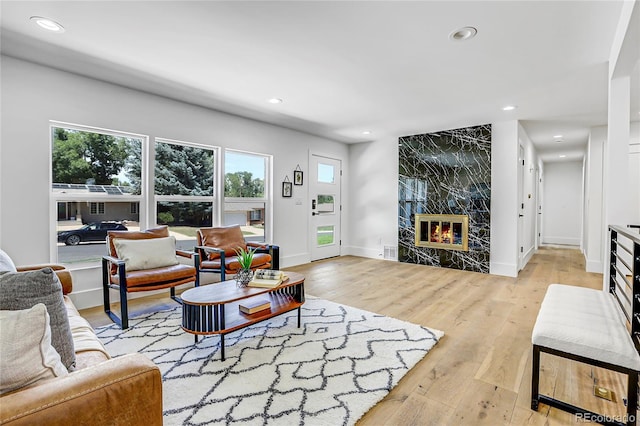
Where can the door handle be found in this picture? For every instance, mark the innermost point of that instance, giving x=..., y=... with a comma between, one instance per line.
x=314, y=213
x=520, y=215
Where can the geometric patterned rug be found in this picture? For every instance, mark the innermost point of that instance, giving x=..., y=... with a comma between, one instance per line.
x=330, y=371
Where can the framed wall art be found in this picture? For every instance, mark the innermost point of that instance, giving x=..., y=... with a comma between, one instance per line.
x=297, y=176
x=287, y=188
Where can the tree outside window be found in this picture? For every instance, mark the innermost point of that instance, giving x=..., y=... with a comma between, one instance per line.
x=184, y=188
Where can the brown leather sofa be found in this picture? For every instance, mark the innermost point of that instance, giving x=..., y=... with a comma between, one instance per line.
x=101, y=391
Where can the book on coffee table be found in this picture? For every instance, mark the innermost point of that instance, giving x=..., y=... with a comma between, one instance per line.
x=267, y=278
x=252, y=306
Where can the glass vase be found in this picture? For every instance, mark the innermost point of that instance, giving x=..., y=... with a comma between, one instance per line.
x=243, y=277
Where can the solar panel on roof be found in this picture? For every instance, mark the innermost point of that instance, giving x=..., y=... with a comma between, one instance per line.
x=95, y=188
x=113, y=190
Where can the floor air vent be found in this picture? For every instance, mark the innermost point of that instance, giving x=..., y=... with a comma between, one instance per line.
x=390, y=253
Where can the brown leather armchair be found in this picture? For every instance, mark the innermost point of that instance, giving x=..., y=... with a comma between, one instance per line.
x=217, y=247
x=115, y=275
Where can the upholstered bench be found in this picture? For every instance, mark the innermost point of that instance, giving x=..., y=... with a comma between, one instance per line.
x=588, y=326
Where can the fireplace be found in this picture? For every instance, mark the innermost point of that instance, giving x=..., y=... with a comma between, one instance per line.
x=445, y=231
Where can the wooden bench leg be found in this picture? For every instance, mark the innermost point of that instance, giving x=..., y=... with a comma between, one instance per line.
x=535, y=378
x=632, y=398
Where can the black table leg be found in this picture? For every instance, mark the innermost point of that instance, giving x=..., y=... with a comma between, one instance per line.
x=222, y=334
x=222, y=347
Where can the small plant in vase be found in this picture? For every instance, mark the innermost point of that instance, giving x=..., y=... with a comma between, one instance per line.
x=245, y=259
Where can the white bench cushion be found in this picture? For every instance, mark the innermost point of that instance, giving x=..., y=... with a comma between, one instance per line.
x=585, y=322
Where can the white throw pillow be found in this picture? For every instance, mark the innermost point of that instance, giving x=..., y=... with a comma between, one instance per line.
x=26, y=354
x=146, y=254
x=6, y=264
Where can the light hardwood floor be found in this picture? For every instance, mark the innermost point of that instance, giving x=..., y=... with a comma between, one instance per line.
x=480, y=371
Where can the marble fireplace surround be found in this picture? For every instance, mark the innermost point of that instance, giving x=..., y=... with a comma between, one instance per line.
x=446, y=173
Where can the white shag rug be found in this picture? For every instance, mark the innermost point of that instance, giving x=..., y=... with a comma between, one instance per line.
x=330, y=371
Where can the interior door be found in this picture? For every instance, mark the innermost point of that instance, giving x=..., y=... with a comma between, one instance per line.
x=538, y=209
x=521, y=199
x=326, y=206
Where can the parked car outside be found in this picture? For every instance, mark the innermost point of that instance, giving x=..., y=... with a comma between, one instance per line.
x=96, y=231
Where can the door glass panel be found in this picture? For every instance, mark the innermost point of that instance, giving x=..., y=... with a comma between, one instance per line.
x=326, y=173
x=325, y=203
x=324, y=235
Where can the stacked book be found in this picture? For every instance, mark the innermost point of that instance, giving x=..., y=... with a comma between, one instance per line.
x=267, y=278
x=252, y=306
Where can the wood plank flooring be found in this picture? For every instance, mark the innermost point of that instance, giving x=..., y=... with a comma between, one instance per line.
x=480, y=372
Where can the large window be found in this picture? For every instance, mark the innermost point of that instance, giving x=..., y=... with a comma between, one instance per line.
x=96, y=176
x=245, y=192
x=184, y=188
x=99, y=183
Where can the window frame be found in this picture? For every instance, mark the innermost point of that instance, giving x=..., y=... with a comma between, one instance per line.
x=267, y=199
x=99, y=207
x=214, y=198
x=55, y=198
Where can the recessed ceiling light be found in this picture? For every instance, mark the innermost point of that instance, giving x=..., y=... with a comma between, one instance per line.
x=557, y=136
x=562, y=155
x=48, y=24
x=275, y=101
x=464, y=33
x=366, y=132
x=509, y=107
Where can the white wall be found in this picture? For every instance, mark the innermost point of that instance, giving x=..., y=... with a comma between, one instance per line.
x=33, y=95
x=562, y=208
x=374, y=197
x=634, y=172
x=594, y=230
x=504, y=198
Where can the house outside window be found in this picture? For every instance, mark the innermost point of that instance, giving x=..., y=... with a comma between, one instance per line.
x=255, y=215
x=96, y=175
x=246, y=193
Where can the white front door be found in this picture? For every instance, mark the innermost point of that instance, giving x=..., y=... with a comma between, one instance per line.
x=325, y=206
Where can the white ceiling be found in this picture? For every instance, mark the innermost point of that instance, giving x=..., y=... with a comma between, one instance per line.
x=343, y=67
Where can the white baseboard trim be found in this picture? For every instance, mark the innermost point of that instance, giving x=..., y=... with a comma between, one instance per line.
x=561, y=240
x=594, y=266
x=296, y=259
x=371, y=253
x=527, y=257
x=90, y=298
x=503, y=269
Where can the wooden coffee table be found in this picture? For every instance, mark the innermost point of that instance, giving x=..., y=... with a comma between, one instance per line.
x=213, y=309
